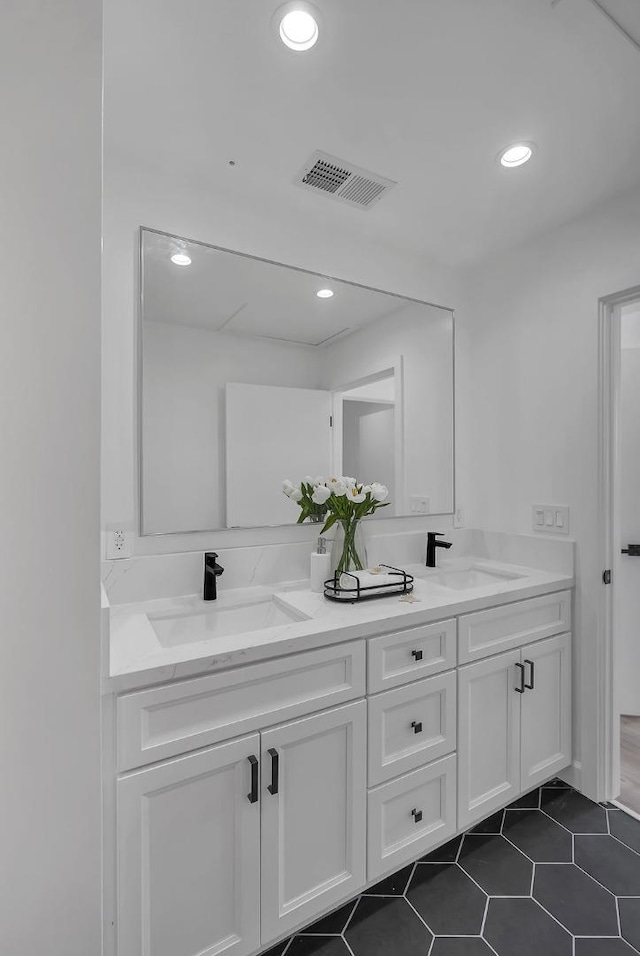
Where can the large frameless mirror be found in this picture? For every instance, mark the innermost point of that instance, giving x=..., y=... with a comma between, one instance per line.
x=252, y=372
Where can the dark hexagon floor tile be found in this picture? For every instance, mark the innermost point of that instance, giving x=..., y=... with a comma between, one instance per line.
x=630, y=921
x=492, y=824
x=541, y=838
x=447, y=853
x=393, y=885
x=383, y=925
x=516, y=926
x=576, y=901
x=574, y=811
x=556, y=784
x=447, y=900
x=460, y=946
x=530, y=801
x=609, y=862
x=318, y=946
x=334, y=923
x=276, y=950
x=626, y=828
x=498, y=867
x=603, y=947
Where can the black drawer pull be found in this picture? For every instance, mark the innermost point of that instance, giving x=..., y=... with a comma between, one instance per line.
x=417, y=655
x=520, y=689
x=417, y=815
x=532, y=671
x=275, y=770
x=417, y=726
x=253, y=795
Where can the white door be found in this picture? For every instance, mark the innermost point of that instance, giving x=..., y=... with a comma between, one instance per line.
x=546, y=710
x=488, y=736
x=272, y=433
x=313, y=816
x=189, y=854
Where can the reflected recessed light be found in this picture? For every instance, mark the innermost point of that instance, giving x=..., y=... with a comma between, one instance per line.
x=181, y=259
x=298, y=25
x=324, y=293
x=516, y=155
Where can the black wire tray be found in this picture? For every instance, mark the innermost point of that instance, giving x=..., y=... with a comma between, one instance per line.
x=334, y=592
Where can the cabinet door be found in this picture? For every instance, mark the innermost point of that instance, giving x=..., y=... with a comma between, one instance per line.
x=546, y=710
x=188, y=855
x=488, y=736
x=313, y=825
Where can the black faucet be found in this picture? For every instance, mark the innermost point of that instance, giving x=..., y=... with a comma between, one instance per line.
x=212, y=571
x=432, y=544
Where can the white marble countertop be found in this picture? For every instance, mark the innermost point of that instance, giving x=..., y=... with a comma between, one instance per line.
x=137, y=658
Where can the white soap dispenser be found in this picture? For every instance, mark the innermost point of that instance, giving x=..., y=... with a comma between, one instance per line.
x=320, y=566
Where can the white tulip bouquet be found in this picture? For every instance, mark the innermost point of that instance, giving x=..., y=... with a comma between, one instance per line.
x=343, y=500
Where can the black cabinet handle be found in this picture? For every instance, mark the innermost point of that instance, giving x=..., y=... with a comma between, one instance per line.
x=253, y=795
x=532, y=671
x=520, y=689
x=417, y=815
x=633, y=550
x=417, y=655
x=275, y=770
x=417, y=726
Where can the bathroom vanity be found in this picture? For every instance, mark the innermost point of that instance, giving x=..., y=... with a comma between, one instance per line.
x=260, y=777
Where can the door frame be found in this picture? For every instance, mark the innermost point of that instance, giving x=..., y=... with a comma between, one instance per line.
x=608, y=717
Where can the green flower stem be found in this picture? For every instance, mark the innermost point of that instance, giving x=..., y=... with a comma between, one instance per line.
x=349, y=559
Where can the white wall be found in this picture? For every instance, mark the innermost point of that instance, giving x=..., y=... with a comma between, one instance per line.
x=369, y=444
x=50, y=101
x=527, y=370
x=627, y=609
x=133, y=197
x=185, y=370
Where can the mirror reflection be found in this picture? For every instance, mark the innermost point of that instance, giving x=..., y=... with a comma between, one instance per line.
x=254, y=372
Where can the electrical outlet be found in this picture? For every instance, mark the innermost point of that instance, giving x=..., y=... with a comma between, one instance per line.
x=458, y=518
x=118, y=544
x=420, y=505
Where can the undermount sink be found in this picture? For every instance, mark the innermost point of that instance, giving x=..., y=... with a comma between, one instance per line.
x=188, y=627
x=461, y=579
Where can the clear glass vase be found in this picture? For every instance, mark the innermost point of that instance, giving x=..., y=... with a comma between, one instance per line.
x=348, y=552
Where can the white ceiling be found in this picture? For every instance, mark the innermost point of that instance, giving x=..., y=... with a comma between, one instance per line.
x=425, y=92
x=223, y=291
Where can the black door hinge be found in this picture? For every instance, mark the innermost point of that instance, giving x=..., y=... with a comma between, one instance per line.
x=330, y=421
x=606, y=577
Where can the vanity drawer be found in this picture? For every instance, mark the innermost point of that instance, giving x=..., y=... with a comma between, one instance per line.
x=397, y=834
x=511, y=625
x=410, y=726
x=174, y=718
x=406, y=656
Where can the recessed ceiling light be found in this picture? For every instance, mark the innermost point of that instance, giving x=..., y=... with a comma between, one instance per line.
x=298, y=25
x=324, y=293
x=516, y=155
x=181, y=259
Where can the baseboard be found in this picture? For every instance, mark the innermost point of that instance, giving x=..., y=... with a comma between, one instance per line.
x=573, y=775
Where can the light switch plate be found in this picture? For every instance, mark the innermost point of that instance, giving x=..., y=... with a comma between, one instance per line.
x=550, y=519
x=420, y=505
x=458, y=518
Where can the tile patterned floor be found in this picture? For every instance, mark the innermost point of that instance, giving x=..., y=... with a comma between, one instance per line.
x=552, y=875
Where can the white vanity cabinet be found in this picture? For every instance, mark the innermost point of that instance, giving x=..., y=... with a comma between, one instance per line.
x=251, y=801
x=313, y=820
x=514, y=727
x=188, y=849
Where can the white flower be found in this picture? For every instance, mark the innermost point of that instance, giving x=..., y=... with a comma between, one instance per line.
x=366, y=489
x=379, y=492
x=295, y=494
x=320, y=495
x=356, y=496
x=287, y=487
x=320, y=480
x=349, y=482
x=338, y=488
x=307, y=480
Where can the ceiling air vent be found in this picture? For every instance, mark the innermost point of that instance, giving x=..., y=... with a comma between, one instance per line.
x=330, y=176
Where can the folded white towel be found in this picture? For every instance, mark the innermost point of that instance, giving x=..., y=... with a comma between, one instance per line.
x=368, y=579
